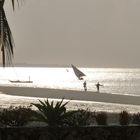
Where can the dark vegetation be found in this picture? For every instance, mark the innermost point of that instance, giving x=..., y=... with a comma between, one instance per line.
x=101, y=118
x=16, y=116
x=124, y=118
x=55, y=114
x=61, y=124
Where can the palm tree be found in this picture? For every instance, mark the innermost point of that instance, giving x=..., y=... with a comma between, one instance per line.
x=6, y=38
x=51, y=113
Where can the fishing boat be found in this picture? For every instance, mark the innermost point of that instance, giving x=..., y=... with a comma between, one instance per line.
x=78, y=73
x=21, y=81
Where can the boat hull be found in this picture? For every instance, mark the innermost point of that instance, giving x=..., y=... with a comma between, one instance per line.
x=19, y=81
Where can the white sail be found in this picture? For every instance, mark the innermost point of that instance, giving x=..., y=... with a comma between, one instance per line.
x=78, y=73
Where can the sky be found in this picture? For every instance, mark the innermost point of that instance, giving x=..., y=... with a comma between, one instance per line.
x=87, y=33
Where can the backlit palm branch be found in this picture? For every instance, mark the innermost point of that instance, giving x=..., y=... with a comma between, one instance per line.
x=16, y=1
x=6, y=38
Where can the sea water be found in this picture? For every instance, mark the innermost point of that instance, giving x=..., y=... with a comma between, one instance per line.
x=115, y=81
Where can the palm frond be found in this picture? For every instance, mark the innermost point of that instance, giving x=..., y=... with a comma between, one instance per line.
x=53, y=114
x=6, y=39
x=16, y=1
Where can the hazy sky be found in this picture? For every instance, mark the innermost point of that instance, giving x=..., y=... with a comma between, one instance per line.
x=95, y=33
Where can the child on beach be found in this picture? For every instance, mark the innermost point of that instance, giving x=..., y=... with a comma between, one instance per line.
x=98, y=86
x=85, y=85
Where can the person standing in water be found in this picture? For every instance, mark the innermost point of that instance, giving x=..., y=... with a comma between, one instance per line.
x=85, y=85
x=98, y=86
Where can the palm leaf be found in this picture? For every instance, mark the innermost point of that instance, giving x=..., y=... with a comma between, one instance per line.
x=6, y=39
x=52, y=114
x=16, y=1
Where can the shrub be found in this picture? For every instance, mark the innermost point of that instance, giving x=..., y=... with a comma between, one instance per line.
x=52, y=114
x=81, y=118
x=124, y=118
x=15, y=116
x=101, y=118
x=136, y=118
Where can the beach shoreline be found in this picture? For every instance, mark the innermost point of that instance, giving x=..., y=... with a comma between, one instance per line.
x=70, y=94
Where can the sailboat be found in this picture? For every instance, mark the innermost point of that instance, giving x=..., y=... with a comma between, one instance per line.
x=78, y=73
x=21, y=81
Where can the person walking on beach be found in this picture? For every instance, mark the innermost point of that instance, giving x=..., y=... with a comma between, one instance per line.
x=85, y=85
x=98, y=86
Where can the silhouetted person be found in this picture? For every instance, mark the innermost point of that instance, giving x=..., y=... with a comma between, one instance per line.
x=85, y=85
x=98, y=86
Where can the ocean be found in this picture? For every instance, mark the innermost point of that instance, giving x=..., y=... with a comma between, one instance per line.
x=115, y=81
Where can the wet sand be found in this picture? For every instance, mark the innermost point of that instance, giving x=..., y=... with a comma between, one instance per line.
x=70, y=94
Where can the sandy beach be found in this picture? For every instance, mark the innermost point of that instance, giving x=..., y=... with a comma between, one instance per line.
x=70, y=94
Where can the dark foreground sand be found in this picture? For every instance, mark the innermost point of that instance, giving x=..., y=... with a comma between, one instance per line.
x=70, y=94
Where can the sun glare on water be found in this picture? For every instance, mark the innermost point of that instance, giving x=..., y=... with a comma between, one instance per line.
x=122, y=81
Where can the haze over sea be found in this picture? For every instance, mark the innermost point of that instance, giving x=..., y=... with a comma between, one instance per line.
x=115, y=81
